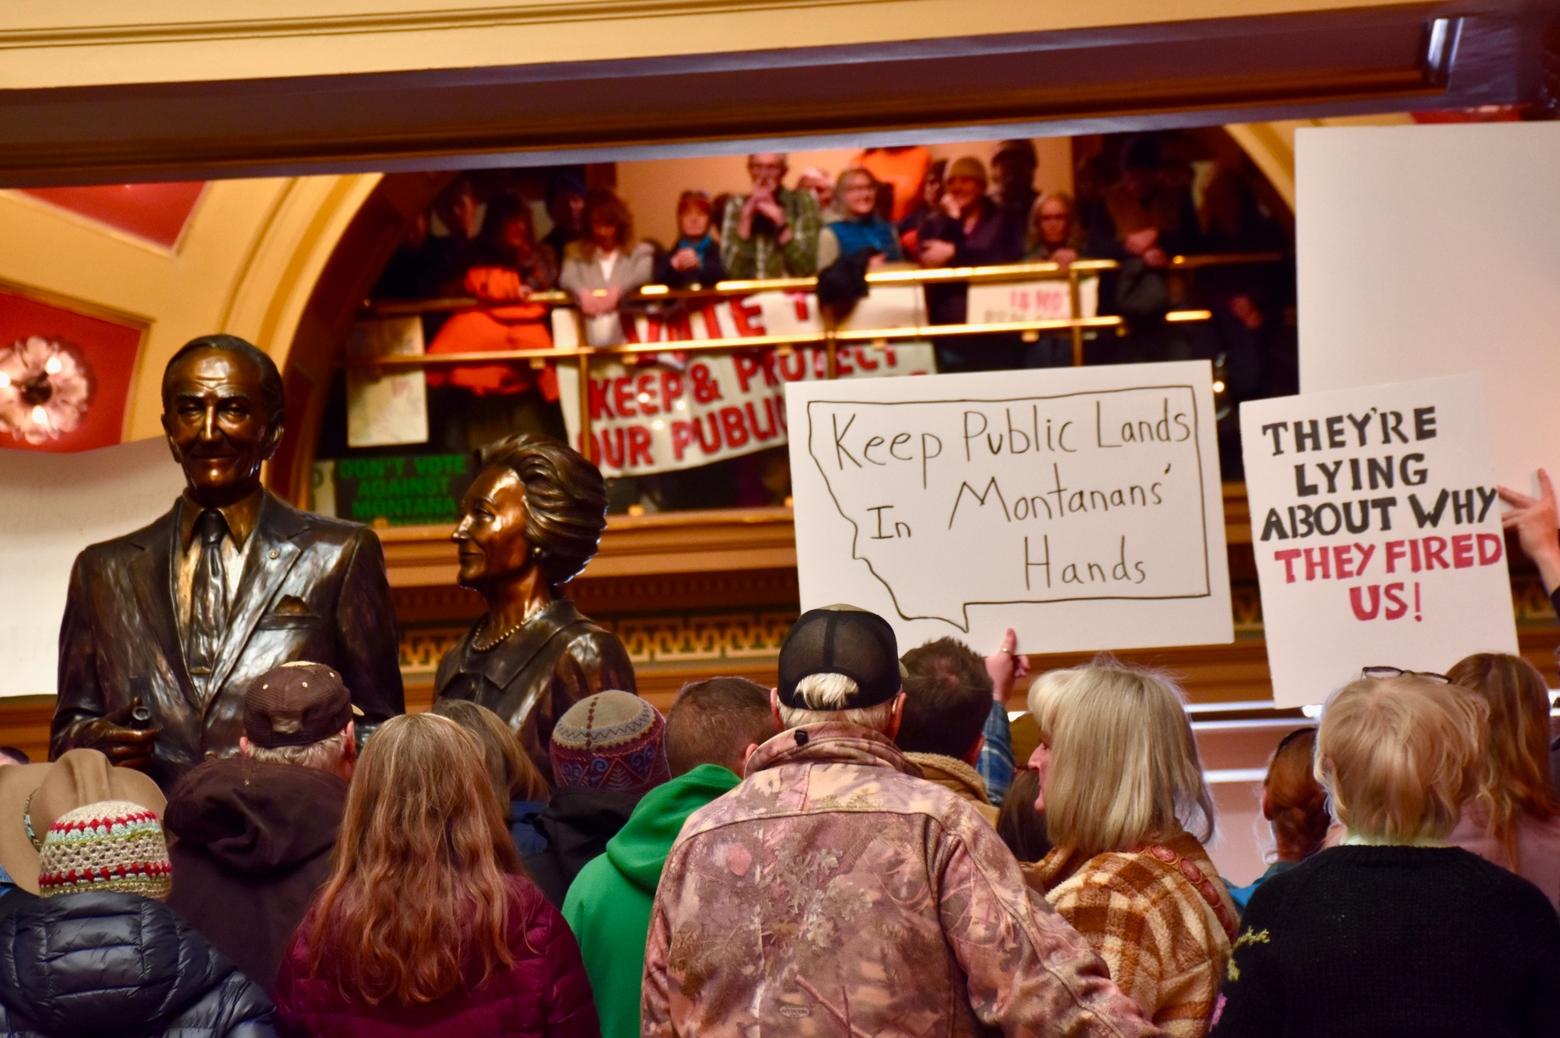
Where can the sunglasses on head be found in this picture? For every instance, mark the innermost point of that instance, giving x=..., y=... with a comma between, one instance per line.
x=1399, y=672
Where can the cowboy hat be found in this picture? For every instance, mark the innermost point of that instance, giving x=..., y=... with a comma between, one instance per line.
x=33, y=796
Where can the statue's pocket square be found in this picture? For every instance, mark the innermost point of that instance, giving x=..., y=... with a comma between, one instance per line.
x=291, y=611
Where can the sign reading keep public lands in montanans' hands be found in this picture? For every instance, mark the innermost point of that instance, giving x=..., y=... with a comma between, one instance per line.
x=1376, y=528
x=1080, y=506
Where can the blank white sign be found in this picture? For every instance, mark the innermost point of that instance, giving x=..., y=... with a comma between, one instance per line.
x=1080, y=506
x=54, y=506
x=1435, y=250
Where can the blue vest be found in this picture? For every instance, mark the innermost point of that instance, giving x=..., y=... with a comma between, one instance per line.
x=874, y=234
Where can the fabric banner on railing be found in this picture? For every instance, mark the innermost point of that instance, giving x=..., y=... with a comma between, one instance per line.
x=1039, y=300
x=679, y=411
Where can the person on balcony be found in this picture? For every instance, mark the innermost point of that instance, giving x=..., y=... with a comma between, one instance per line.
x=925, y=208
x=1013, y=169
x=971, y=230
x=771, y=232
x=1057, y=239
x=904, y=171
x=1151, y=219
x=817, y=182
x=604, y=266
x=566, y=209
x=861, y=229
x=506, y=266
x=694, y=259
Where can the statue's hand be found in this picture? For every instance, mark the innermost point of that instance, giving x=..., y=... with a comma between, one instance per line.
x=123, y=746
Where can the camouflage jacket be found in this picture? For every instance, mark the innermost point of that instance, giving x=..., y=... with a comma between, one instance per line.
x=834, y=893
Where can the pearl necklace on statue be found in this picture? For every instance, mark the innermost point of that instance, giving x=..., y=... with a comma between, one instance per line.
x=477, y=645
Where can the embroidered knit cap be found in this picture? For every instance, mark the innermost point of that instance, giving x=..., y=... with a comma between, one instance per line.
x=611, y=740
x=112, y=845
x=296, y=704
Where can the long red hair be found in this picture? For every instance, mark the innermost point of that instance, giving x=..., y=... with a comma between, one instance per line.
x=418, y=898
x=1516, y=779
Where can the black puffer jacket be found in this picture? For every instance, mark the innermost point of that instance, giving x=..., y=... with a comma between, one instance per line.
x=119, y=964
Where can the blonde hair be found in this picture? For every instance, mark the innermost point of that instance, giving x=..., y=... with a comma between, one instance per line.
x=514, y=776
x=324, y=755
x=1124, y=765
x=825, y=696
x=1516, y=782
x=1400, y=755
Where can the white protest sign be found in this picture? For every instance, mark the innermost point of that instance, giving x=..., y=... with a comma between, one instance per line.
x=1046, y=299
x=1080, y=506
x=1376, y=529
x=56, y=505
x=389, y=409
x=1384, y=291
x=682, y=411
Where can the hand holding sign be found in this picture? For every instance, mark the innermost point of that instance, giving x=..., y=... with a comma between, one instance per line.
x=1006, y=666
x=1535, y=522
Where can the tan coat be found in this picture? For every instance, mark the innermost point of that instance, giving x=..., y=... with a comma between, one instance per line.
x=836, y=893
x=1163, y=941
x=953, y=774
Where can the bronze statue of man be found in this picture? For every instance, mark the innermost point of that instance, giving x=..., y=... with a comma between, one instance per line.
x=530, y=522
x=165, y=627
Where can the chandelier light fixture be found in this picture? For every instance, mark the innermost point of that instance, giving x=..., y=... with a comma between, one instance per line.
x=45, y=389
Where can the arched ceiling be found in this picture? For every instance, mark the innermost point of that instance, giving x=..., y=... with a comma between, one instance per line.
x=245, y=261
x=390, y=85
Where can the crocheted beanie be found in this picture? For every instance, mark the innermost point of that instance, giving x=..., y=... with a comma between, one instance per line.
x=611, y=740
x=111, y=845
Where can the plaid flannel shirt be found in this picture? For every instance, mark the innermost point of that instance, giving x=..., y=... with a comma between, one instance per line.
x=761, y=256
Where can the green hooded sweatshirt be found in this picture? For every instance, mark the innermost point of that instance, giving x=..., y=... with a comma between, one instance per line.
x=608, y=904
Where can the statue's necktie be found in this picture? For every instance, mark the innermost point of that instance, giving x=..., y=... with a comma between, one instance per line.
x=208, y=595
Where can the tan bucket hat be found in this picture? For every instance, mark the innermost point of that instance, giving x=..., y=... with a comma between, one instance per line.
x=33, y=796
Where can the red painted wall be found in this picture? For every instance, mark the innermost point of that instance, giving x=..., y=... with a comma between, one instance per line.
x=108, y=350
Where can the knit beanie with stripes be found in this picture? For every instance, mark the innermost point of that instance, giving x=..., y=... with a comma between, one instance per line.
x=611, y=740
x=112, y=845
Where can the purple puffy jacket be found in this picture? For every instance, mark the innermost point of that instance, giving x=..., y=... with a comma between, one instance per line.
x=546, y=992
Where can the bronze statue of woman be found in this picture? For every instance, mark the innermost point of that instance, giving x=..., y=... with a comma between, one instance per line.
x=530, y=522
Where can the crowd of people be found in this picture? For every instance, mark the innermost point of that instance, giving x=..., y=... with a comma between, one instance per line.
x=1133, y=202
x=848, y=852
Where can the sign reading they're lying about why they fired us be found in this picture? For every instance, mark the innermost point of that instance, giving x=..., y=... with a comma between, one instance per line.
x=1376, y=529
x=1080, y=506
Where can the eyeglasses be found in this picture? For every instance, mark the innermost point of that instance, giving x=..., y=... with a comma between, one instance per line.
x=1398, y=672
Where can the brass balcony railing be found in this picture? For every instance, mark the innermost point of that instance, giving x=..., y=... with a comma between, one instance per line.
x=830, y=336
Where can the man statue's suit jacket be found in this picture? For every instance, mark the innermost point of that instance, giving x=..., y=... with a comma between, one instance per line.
x=312, y=588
